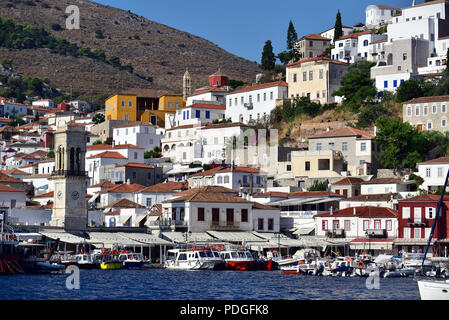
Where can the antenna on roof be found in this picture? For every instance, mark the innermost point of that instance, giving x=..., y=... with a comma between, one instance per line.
x=413, y=3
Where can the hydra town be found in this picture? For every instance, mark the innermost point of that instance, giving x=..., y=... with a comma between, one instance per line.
x=141, y=162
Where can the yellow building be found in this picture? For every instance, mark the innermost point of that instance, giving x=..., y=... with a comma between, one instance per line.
x=139, y=108
x=121, y=107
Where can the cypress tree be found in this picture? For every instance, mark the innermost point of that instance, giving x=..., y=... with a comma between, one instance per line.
x=268, y=57
x=338, y=28
x=291, y=36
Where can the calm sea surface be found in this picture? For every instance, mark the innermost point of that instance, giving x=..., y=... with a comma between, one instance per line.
x=161, y=284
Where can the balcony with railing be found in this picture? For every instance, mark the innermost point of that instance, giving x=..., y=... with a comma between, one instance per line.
x=376, y=233
x=417, y=222
x=336, y=233
x=224, y=225
x=249, y=105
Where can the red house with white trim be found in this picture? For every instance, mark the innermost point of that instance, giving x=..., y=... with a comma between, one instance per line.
x=416, y=217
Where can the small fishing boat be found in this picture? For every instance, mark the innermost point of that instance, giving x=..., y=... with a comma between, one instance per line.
x=131, y=260
x=109, y=260
x=82, y=261
x=238, y=260
x=189, y=260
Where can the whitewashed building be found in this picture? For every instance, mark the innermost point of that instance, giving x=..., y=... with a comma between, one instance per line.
x=12, y=197
x=139, y=134
x=195, y=114
x=255, y=103
x=433, y=172
x=377, y=15
x=358, y=222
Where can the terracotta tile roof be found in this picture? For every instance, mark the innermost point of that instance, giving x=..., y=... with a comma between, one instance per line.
x=207, y=106
x=316, y=59
x=348, y=180
x=259, y=206
x=167, y=187
x=104, y=184
x=199, y=196
x=209, y=189
x=99, y=147
x=15, y=171
x=353, y=35
x=124, y=203
x=383, y=181
x=108, y=154
x=428, y=3
x=135, y=165
x=5, y=188
x=428, y=99
x=263, y=85
x=45, y=195
x=343, y=132
x=315, y=194
x=362, y=212
x=314, y=36
x=4, y=178
x=112, y=212
x=124, y=188
x=436, y=161
x=425, y=198
x=379, y=40
x=156, y=210
x=127, y=146
x=373, y=197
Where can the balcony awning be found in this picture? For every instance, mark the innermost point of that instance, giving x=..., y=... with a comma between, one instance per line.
x=291, y=202
x=63, y=236
x=235, y=236
x=371, y=244
x=325, y=200
x=145, y=238
x=179, y=237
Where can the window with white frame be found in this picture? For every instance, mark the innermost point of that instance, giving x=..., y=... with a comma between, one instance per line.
x=363, y=146
x=440, y=172
x=409, y=111
x=417, y=233
x=429, y=125
x=405, y=212
x=424, y=111
x=407, y=233
x=427, y=172
x=443, y=122
x=443, y=108
x=430, y=213
x=417, y=111
x=434, y=109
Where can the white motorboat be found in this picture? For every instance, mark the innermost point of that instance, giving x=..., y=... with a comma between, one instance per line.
x=238, y=260
x=189, y=260
x=433, y=289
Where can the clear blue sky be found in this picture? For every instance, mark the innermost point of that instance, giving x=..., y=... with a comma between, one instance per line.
x=242, y=26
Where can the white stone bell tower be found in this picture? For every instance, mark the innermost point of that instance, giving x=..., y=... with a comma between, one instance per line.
x=69, y=208
x=186, y=85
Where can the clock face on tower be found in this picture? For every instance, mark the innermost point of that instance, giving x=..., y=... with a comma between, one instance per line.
x=75, y=195
x=59, y=195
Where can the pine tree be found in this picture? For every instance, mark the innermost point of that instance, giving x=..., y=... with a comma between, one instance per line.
x=291, y=36
x=268, y=57
x=338, y=28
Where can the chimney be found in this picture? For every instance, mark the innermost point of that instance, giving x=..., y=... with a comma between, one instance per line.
x=355, y=211
x=128, y=181
x=332, y=210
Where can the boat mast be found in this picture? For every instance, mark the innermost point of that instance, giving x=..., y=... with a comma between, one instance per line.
x=435, y=220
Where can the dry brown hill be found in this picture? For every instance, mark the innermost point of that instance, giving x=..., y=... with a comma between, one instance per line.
x=153, y=50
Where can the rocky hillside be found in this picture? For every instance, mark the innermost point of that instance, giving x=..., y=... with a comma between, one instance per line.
x=152, y=49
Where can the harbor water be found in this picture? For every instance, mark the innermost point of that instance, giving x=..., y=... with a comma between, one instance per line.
x=162, y=284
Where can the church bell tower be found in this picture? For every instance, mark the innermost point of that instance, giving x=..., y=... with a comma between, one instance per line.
x=186, y=85
x=69, y=205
